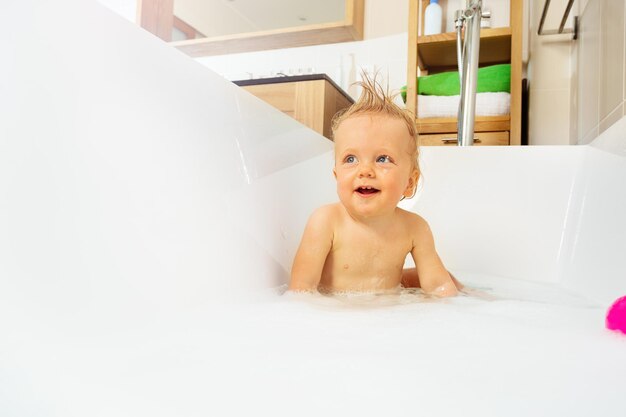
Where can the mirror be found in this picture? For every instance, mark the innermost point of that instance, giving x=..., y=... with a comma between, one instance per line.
x=213, y=18
x=217, y=27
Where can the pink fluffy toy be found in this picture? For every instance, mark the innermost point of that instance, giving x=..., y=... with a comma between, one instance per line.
x=616, y=316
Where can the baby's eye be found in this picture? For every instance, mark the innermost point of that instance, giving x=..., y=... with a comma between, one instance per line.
x=350, y=159
x=384, y=158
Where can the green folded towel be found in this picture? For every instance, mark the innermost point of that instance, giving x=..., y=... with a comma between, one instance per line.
x=492, y=79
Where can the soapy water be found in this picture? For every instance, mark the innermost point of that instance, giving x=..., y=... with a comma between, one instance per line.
x=400, y=353
x=376, y=299
x=475, y=291
x=479, y=353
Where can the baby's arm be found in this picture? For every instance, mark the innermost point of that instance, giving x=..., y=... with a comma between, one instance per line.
x=433, y=276
x=315, y=245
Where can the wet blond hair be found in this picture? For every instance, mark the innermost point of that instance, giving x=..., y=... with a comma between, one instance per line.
x=375, y=99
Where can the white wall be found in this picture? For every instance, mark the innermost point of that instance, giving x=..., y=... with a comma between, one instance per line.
x=577, y=88
x=600, y=80
x=549, y=77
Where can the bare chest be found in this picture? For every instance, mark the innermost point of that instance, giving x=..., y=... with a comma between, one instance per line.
x=363, y=259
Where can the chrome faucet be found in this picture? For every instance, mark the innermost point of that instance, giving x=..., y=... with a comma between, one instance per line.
x=467, y=59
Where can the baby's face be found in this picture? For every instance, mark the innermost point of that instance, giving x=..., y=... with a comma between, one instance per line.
x=373, y=164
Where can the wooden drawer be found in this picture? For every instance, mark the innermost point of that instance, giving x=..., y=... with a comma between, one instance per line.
x=312, y=102
x=480, y=139
x=282, y=96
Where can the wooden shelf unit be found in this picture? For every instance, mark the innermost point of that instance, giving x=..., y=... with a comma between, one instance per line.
x=437, y=53
x=448, y=124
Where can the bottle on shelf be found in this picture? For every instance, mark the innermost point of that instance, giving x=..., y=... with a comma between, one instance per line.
x=433, y=18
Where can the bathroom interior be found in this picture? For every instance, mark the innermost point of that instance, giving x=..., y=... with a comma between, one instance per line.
x=155, y=183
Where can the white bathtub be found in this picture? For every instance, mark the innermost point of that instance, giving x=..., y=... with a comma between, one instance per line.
x=149, y=213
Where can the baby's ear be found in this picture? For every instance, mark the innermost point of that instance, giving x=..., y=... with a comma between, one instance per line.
x=335, y=173
x=411, y=187
x=408, y=192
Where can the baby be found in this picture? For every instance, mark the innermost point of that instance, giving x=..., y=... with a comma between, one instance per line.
x=360, y=244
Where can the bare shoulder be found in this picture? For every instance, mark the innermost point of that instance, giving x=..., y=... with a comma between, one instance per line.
x=326, y=213
x=412, y=220
x=324, y=218
x=416, y=225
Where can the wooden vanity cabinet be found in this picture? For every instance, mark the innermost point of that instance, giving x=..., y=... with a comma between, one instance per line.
x=312, y=100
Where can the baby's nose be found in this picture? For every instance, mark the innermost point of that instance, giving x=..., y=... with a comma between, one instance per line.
x=366, y=170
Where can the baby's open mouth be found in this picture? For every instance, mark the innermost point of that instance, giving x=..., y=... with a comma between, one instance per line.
x=367, y=190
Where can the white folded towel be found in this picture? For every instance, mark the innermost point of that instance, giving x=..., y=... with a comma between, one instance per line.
x=487, y=104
